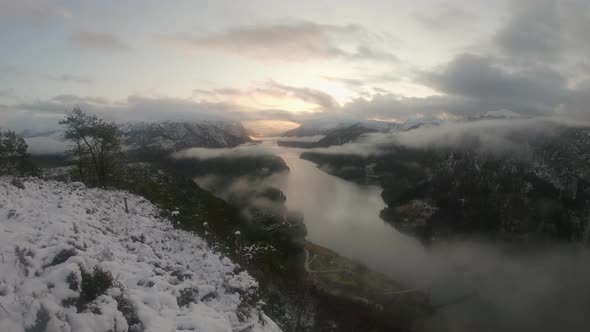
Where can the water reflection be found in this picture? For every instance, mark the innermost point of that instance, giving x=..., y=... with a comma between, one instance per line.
x=512, y=290
x=344, y=217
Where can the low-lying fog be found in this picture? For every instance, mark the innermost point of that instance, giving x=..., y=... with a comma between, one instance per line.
x=501, y=290
x=479, y=286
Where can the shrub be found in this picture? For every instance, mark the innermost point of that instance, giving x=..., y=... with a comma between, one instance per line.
x=130, y=313
x=41, y=321
x=187, y=296
x=93, y=285
x=61, y=257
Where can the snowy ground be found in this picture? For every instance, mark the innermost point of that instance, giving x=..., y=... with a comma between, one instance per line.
x=50, y=232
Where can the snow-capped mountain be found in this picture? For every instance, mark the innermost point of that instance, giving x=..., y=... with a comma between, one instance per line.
x=502, y=114
x=417, y=123
x=174, y=136
x=74, y=260
x=539, y=191
x=346, y=135
x=351, y=133
x=309, y=130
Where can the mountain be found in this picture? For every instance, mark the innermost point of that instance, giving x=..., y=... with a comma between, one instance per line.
x=349, y=134
x=75, y=260
x=502, y=114
x=325, y=129
x=310, y=130
x=345, y=135
x=418, y=123
x=455, y=192
x=175, y=136
x=335, y=137
x=146, y=140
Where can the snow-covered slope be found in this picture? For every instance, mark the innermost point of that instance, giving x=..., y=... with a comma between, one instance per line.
x=175, y=136
x=502, y=114
x=53, y=234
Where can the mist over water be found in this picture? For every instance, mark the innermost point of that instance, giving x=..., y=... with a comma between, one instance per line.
x=478, y=286
x=344, y=217
x=475, y=285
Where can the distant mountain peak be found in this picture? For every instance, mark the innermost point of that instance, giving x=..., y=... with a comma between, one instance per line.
x=502, y=113
x=175, y=136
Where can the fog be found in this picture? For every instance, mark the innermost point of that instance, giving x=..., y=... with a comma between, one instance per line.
x=476, y=286
x=506, y=289
x=251, y=149
x=52, y=144
x=500, y=137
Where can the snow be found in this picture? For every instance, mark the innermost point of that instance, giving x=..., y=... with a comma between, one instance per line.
x=152, y=263
x=172, y=136
x=420, y=122
x=503, y=113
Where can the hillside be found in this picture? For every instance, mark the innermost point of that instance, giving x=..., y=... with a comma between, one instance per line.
x=449, y=192
x=351, y=133
x=74, y=260
x=175, y=136
x=337, y=136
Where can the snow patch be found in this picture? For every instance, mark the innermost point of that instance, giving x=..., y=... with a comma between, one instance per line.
x=53, y=233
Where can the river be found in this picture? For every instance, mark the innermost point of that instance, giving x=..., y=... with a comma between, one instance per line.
x=344, y=217
x=479, y=286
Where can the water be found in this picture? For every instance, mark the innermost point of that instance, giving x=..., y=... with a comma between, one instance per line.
x=344, y=217
x=513, y=291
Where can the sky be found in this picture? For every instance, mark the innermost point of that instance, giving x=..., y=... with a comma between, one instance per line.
x=274, y=65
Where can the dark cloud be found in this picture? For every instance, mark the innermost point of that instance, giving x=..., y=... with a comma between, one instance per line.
x=294, y=41
x=97, y=40
x=546, y=30
x=317, y=97
x=393, y=106
x=486, y=80
x=577, y=105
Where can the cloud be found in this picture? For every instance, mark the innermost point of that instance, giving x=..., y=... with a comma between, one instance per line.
x=34, y=9
x=67, y=78
x=52, y=144
x=351, y=82
x=577, y=104
x=9, y=72
x=44, y=115
x=240, y=151
x=546, y=30
x=317, y=97
x=499, y=137
x=488, y=81
x=294, y=41
x=392, y=106
x=443, y=16
x=264, y=95
x=97, y=40
x=7, y=93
